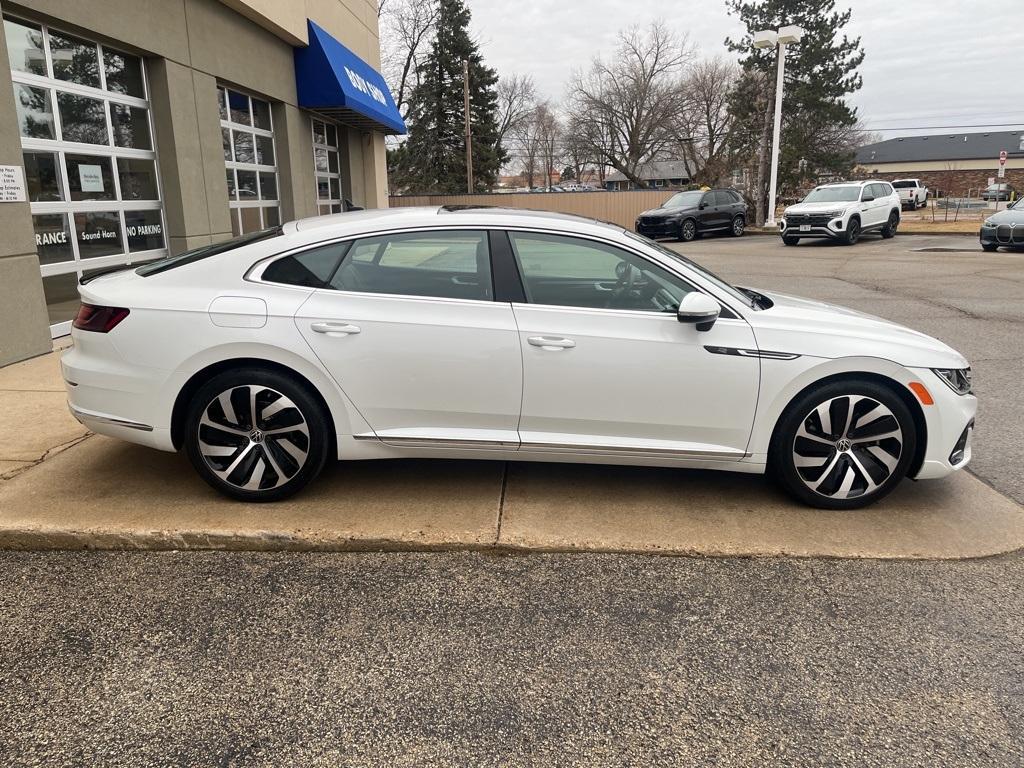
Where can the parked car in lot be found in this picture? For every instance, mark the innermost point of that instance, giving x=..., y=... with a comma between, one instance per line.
x=502, y=334
x=913, y=193
x=1004, y=229
x=687, y=215
x=843, y=211
x=998, y=192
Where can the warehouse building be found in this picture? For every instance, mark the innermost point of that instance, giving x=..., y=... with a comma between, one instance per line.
x=131, y=129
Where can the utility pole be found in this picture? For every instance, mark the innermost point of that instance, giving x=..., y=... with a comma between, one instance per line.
x=469, y=128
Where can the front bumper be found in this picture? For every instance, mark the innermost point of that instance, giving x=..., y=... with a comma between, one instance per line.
x=834, y=228
x=658, y=228
x=1002, y=235
x=950, y=425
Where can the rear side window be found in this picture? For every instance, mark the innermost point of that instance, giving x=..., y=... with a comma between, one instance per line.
x=446, y=265
x=309, y=269
x=205, y=252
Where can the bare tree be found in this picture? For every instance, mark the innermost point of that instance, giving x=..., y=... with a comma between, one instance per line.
x=705, y=125
x=631, y=102
x=526, y=144
x=406, y=28
x=549, y=135
x=517, y=98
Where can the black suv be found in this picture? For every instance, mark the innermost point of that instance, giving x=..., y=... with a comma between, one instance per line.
x=686, y=215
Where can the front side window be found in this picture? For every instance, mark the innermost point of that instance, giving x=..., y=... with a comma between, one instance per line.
x=572, y=272
x=250, y=159
x=447, y=265
x=89, y=157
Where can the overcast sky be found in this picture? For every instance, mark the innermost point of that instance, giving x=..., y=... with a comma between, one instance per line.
x=929, y=62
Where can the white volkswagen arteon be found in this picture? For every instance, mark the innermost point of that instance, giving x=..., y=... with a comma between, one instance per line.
x=500, y=334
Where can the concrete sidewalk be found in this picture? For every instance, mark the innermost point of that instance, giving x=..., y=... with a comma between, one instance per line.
x=61, y=489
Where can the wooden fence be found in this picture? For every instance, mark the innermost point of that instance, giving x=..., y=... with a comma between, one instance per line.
x=620, y=208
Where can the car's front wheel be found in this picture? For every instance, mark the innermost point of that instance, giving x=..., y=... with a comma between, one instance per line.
x=256, y=434
x=844, y=445
x=852, y=232
x=688, y=231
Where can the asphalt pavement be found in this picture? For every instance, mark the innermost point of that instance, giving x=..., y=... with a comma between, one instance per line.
x=449, y=659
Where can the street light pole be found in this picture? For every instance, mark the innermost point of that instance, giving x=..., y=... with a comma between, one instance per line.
x=769, y=39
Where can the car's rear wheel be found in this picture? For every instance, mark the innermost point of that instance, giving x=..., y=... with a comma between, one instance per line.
x=889, y=230
x=256, y=434
x=852, y=232
x=739, y=224
x=790, y=240
x=688, y=231
x=844, y=445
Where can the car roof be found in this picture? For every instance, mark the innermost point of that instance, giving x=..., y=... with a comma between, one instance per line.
x=454, y=215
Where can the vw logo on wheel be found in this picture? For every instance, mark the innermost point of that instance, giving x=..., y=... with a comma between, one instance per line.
x=843, y=445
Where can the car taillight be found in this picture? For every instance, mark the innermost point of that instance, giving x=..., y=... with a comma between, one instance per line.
x=99, y=319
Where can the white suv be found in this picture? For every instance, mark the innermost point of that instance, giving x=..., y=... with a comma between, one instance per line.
x=843, y=212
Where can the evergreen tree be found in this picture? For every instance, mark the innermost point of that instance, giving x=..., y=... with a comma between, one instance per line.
x=818, y=126
x=433, y=159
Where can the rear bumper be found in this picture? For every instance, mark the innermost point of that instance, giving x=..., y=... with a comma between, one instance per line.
x=112, y=398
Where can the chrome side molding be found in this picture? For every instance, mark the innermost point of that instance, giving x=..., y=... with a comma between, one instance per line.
x=762, y=353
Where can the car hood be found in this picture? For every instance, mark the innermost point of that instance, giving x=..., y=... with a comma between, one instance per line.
x=816, y=207
x=1009, y=216
x=664, y=212
x=807, y=327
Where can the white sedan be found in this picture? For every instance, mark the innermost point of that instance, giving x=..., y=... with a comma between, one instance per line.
x=499, y=334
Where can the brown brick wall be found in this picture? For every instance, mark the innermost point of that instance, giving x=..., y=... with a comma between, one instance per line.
x=957, y=182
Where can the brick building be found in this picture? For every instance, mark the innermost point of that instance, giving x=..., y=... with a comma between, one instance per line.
x=950, y=164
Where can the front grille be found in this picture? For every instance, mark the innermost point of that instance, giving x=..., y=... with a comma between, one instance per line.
x=1010, y=234
x=814, y=219
x=653, y=221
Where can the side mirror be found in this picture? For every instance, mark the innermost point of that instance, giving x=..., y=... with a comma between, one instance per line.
x=702, y=205
x=700, y=309
x=867, y=198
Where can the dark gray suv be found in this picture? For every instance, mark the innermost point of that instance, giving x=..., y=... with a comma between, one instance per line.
x=686, y=215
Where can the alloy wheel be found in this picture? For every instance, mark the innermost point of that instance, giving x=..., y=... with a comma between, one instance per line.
x=847, y=446
x=688, y=231
x=253, y=437
x=737, y=226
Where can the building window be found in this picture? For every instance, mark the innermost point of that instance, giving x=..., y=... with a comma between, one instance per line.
x=327, y=167
x=90, y=160
x=250, y=157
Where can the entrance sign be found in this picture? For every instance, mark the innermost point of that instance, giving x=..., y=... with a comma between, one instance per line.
x=12, y=184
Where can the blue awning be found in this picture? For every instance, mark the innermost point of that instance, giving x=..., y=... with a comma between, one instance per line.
x=333, y=81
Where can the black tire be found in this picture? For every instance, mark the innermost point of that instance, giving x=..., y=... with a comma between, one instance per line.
x=853, y=453
x=688, y=231
x=889, y=230
x=913, y=204
x=230, y=453
x=852, y=234
x=790, y=240
x=990, y=247
x=739, y=224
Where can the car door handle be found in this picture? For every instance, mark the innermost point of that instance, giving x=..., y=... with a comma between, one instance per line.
x=551, y=343
x=336, y=329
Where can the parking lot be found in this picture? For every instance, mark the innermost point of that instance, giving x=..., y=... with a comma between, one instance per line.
x=401, y=658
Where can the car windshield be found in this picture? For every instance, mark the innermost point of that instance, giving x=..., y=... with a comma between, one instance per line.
x=683, y=200
x=1019, y=205
x=711, y=276
x=844, y=194
x=904, y=184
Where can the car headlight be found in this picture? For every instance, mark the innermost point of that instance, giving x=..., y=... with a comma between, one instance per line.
x=988, y=223
x=957, y=379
